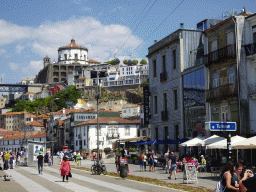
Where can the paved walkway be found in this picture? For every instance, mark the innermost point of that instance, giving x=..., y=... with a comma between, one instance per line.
x=205, y=179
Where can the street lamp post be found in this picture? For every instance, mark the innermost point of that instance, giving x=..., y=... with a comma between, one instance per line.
x=52, y=120
x=97, y=96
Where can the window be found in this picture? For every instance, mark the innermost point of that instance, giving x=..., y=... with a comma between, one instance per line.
x=232, y=75
x=175, y=96
x=76, y=143
x=155, y=104
x=156, y=130
x=215, y=79
x=137, y=81
x=84, y=142
x=76, y=56
x=166, y=132
x=230, y=38
x=163, y=63
x=174, y=59
x=165, y=101
x=65, y=56
x=124, y=111
x=84, y=131
x=84, y=57
x=254, y=33
x=214, y=45
x=127, y=130
x=224, y=113
x=154, y=68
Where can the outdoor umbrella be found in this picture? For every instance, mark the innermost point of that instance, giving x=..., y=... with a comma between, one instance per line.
x=223, y=143
x=179, y=141
x=249, y=143
x=193, y=142
x=212, y=139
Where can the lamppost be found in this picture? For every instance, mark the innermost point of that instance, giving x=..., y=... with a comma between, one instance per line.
x=52, y=120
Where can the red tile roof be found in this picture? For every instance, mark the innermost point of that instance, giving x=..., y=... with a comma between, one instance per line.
x=29, y=93
x=32, y=116
x=105, y=120
x=35, y=123
x=44, y=116
x=92, y=61
x=73, y=45
x=15, y=113
x=14, y=135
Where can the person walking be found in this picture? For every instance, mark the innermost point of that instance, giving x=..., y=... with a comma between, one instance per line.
x=11, y=156
x=141, y=161
x=46, y=160
x=6, y=160
x=78, y=158
x=74, y=155
x=65, y=168
x=145, y=161
x=173, y=166
x=40, y=159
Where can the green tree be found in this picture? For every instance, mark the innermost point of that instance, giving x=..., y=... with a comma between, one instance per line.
x=112, y=62
x=125, y=61
x=135, y=62
x=143, y=61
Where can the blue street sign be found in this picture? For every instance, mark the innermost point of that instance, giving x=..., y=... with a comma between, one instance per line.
x=221, y=126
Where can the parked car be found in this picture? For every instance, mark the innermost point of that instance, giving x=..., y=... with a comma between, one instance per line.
x=70, y=157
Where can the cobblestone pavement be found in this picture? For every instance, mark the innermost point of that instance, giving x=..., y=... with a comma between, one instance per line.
x=205, y=179
x=27, y=179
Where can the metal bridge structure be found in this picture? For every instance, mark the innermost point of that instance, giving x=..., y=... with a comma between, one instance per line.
x=13, y=88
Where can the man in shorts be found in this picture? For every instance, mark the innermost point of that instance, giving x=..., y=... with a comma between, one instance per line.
x=173, y=166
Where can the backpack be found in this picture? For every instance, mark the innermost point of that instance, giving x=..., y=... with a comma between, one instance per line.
x=219, y=186
x=141, y=158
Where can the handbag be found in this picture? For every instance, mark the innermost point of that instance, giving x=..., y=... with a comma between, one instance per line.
x=69, y=175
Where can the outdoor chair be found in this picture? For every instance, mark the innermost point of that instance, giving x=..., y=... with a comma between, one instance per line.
x=200, y=167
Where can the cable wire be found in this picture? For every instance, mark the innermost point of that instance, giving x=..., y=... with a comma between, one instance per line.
x=158, y=26
x=136, y=27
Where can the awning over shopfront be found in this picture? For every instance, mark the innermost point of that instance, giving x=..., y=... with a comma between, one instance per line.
x=223, y=143
x=212, y=139
x=249, y=143
x=193, y=142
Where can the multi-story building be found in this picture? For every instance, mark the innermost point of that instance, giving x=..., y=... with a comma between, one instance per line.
x=14, y=121
x=167, y=60
x=42, y=94
x=250, y=51
x=131, y=111
x=29, y=96
x=71, y=57
x=227, y=73
x=110, y=130
x=3, y=100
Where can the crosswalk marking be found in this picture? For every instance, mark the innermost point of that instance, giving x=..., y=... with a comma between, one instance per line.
x=25, y=182
x=72, y=186
x=99, y=182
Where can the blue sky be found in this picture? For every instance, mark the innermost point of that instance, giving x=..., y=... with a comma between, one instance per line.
x=30, y=29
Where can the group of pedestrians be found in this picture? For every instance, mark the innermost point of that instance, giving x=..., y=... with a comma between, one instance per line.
x=236, y=178
x=9, y=159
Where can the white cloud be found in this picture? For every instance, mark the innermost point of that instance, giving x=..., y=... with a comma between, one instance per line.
x=13, y=66
x=11, y=32
x=2, y=51
x=19, y=48
x=33, y=68
x=101, y=40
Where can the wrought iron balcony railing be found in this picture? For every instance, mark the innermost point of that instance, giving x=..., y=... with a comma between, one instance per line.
x=222, y=92
x=163, y=76
x=250, y=49
x=221, y=55
x=164, y=115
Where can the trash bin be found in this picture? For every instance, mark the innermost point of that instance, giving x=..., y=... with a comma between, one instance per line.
x=123, y=170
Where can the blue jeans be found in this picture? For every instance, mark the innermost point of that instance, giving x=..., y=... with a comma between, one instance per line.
x=5, y=164
x=11, y=163
x=40, y=167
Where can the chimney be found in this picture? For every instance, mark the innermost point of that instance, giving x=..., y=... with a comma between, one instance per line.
x=63, y=110
x=181, y=25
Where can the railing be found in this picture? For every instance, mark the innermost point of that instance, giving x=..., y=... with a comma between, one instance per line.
x=250, y=49
x=164, y=115
x=252, y=88
x=163, y=76
x=222, y=92
x=112, y=135
x=220, y=55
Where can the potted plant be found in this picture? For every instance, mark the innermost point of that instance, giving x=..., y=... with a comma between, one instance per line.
x=107, y=150
x=136, y=160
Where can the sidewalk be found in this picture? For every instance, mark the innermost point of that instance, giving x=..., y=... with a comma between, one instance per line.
x=205, y=179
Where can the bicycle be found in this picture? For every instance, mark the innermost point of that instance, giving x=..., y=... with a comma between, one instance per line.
x=98, y=168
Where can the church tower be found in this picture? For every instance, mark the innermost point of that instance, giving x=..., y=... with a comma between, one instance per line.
x=46, y=61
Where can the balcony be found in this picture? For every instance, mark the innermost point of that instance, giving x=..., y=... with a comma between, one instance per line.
x=164, y=115
x=250, y=49
x=221, y=55
x=112, y=135
x=163, y=76
x=223, y=92
x=79, y=136
x=252, y=89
